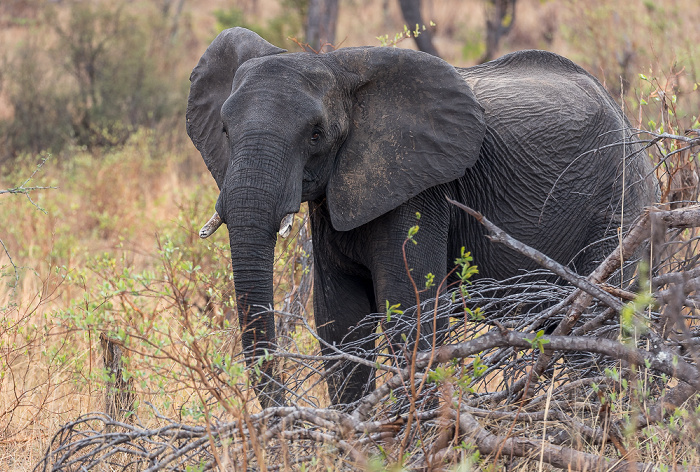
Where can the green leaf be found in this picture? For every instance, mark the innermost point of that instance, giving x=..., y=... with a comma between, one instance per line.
x=412, y=232
x=392, y=309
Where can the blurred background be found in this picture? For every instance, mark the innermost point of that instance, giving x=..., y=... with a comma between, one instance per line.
x=91, y=74
x=103, y=193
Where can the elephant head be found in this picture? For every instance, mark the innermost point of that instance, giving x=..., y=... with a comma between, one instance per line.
x=366, y=128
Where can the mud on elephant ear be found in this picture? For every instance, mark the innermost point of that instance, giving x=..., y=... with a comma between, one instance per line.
x=415, y=124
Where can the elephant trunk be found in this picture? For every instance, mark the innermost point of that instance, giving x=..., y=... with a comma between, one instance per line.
x=252, y=203
x=252, y=260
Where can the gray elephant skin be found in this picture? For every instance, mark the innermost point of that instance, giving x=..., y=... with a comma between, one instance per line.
x=371, y=136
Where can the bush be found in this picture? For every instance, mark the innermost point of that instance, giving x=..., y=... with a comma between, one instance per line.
x=38, y=122
x=91, y=80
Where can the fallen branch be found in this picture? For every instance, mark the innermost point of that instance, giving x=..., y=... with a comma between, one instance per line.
x=557, y=456
x=498, y=235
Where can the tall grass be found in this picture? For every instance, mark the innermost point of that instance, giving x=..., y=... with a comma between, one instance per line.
x=100, y=210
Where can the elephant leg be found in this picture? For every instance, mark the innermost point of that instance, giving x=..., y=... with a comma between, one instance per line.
x=426, y=261
x=341, y=301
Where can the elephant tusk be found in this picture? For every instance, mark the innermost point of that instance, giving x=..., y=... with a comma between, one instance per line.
x=286, y=225
x=212, y=225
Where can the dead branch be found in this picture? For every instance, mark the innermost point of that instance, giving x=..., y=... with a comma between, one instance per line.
x=493, y=352
x=498, y=235
x=558, y=456
x=673, y=366
x=688, y=217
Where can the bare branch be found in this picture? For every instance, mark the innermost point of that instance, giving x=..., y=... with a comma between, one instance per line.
x=498, y=235
x=562, y=457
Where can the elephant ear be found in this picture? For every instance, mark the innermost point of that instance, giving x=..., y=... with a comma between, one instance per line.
x=211, y=82
x=415, y=123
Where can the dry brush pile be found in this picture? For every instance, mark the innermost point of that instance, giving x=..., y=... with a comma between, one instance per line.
x=529, y=372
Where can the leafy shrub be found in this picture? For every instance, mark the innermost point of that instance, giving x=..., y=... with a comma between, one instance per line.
x=38, y=122
x=91, y=80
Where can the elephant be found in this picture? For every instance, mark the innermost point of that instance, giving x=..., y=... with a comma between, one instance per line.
x=371, y=137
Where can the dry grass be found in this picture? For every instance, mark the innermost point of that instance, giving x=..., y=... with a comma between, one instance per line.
x=113, y=205
x=130, y=215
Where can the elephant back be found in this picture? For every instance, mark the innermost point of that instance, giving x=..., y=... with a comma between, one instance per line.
x=557, y=158
x=560, y=122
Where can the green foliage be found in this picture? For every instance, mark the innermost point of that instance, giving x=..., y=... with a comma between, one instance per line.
x=538, y=341
x=429, y=280
x=155, y=314
x=465, y=270
x=229, y=18
x=412, y=231
x=473, y=45
x=471, y=457
x=392, y=310
x=402, y=35
x=633, y=320
x=37, y=101
x=458, y=375
x=165, y=298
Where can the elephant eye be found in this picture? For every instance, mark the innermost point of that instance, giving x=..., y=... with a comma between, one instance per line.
x=224, y=130
x=315, y=136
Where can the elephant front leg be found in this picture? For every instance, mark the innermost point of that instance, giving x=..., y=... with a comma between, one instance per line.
x=409, y=266
x=340, y=303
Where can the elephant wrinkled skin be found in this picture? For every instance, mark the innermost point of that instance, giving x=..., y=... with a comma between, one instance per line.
x=369, y=137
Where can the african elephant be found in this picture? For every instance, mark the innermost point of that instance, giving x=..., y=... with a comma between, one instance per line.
x=370, y=137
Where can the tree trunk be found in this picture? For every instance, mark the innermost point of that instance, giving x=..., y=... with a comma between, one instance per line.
x=500, y=17
x=412, y=16
x=321, y=23
x=119, y=394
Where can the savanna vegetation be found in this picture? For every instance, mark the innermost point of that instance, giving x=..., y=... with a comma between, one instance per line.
x=102, y=196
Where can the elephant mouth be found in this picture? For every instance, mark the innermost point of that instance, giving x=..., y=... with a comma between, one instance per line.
x=215, y=223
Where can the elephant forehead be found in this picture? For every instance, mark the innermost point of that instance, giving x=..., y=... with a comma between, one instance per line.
x=296, y=71
x=257, y=101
